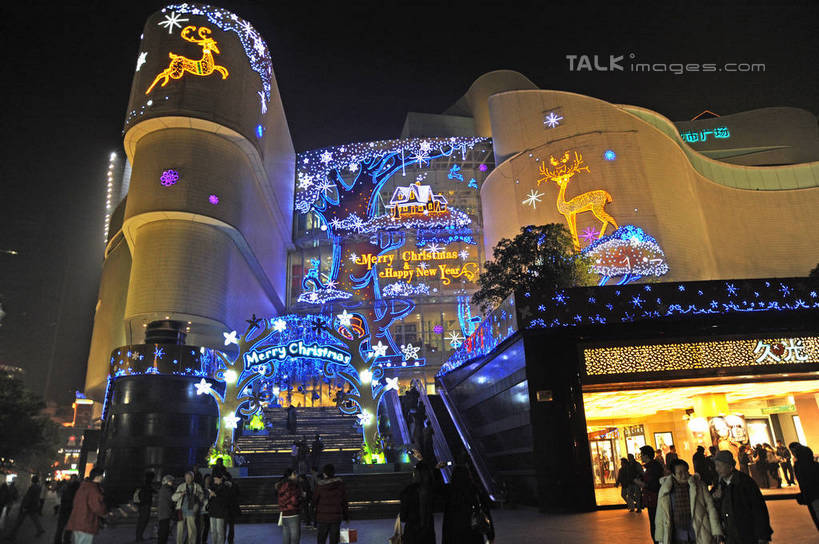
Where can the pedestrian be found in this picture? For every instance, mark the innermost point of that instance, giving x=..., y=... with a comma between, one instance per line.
x=467, y=518
x=331, y=505
x=685, y=509
x=302, y=453
x=188, y=497
x=670, y=457
x=624, y=482
x=30, y=508
x=291, y=419
x=784, y=456
x=773, y=466
x=294, y=456
x=66, y=504
x=701, y=466
x=219, y=467
x=745, y=459
x=649, y=483
x=234, y=509
x=635, y=493
x=145, y=499
x=165, y=508
x=416, y=511
x=290, y=496
x=807, y=474
x=204, y=522
x=218, y=508
x=315, y=452
x=89, y=507
x=759, y=470
x=743, y=514
x=307, y=488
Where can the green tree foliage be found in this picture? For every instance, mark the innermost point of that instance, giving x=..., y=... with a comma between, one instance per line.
x=28, y=439
x=539, y=259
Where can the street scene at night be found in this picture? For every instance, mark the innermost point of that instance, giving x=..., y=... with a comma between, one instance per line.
x=419, y=273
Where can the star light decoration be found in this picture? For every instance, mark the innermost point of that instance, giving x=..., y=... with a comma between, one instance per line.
x=380, y=350
x=364, y=418
x=203, y=387
x=410, y=351
x=232, y=421
x=345, y=319
x=532, y=199
x=254, y=46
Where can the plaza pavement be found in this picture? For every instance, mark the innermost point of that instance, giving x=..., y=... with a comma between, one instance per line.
x=791, y=523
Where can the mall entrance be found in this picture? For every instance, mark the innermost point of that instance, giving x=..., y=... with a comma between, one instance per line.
x=730, y=414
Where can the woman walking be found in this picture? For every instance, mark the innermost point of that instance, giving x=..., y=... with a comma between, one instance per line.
x=807, y=475
x=467, y=519
x=289, y=494
x=685, y=509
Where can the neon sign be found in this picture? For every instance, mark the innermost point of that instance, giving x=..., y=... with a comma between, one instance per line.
x=296, y=349
x=694, y=136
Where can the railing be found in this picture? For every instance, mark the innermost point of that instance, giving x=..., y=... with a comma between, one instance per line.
x=393, y=403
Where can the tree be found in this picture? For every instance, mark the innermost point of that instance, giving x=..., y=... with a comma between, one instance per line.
x=540, y=258
x=28, y=438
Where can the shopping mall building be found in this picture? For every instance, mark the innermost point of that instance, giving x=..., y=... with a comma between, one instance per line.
x=222, y=221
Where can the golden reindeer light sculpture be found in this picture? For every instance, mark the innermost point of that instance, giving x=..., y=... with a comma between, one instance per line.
x=561, y=173
x=180, y=65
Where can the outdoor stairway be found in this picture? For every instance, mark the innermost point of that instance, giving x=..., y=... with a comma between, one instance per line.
x=369, y=496
x=269, y=455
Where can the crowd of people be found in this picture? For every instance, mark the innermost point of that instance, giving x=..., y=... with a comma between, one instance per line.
x=718, y=502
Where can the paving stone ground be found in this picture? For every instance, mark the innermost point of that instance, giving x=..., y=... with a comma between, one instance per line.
x=791, y=523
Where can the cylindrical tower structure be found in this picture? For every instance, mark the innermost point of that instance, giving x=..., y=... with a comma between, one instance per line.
x=201, y=240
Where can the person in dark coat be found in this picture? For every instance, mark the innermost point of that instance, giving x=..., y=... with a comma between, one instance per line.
x=331, y=505
x=784, y=456
x=165, y=508
x=315, y=452
x=670, y=457
x=218, y=507
x=759, y=470
x=66, y=503
x=416, y=509
x=234, y=507
x=807, y=474
x=649, y=483
x=145, y=494
x=30, y=507
x=701, y=466
x=291, y=419
x=623, y=481
x=742, y=511
x=635, y=493
x=219, y=468
x=745, y=459
x=463, y=497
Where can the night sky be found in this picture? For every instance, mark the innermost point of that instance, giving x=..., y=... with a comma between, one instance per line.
x=346, y=73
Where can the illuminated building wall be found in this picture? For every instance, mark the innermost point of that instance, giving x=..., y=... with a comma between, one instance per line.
x=207, y=221
x=700, y=218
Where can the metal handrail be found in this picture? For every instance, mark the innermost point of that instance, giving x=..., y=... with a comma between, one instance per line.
x=442, y=451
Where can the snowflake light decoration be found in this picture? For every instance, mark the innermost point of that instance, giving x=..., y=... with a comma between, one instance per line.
x=552, y=119
x=437, y=329
x=230, y=338
x=455, y=339
x=532, y=199
x=463, y=254
x=172, y=21
x=279, y=325
x=213, y=199
x=589, y=234
x=392, y=383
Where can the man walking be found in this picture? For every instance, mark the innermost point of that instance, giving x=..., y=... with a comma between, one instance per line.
x=30, y=507
x=650, y=483
x=145, y=497
x=66, y=505
x=331, y=505
x=784, y=455
x=743, y=514
x=89, y=507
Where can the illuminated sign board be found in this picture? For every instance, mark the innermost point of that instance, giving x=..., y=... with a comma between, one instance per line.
x=695, y=136
x=295, y=349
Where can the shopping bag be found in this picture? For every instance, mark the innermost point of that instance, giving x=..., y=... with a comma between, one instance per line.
x=348, y=535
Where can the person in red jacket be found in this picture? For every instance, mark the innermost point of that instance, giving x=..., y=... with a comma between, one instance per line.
x=290, y=495
x=331, y=505
x=88, y=508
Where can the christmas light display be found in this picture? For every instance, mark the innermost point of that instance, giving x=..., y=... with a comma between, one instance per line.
x=254, y=46
x=552, y=119
x=213, y=199
x=143, y=56
x=616, y=304
x=629, y=253
x=172, y=21
x=561, y=172
x=180, y=65
x=168, y=178
x=532, y=199
x=609, y=155
x=109, y=204
x=403, y=289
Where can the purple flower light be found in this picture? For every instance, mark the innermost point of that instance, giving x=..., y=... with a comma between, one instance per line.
x=169, y=177
x=437, y=329
x=213, y=199
x=483, y=168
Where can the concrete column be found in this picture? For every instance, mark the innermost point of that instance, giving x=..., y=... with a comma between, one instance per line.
x=808, y=411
